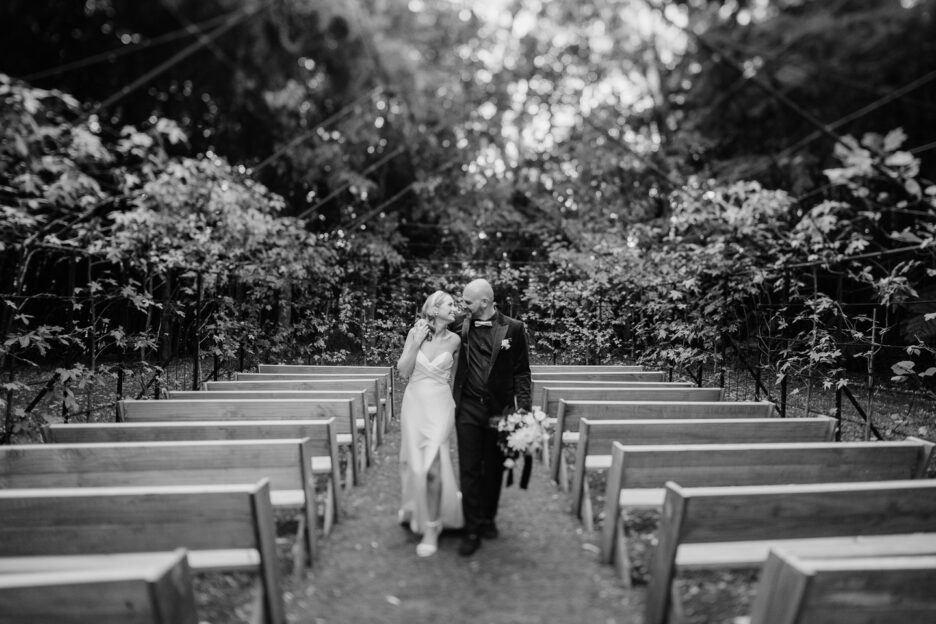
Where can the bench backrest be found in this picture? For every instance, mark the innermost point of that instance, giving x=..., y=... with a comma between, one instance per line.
x=241, y=409
x=285, y=462
x=312, y=369
x=384, y=373
x=698, y=465
x=885, y=590
x=552, y=394
x=777, y=512
x=596, y=437
x=294, y=384
x=157, y=592
x=586, y=368
x=63, y=521
x=539, y=395
x=374, y=385
x=540, y=376
x=320, y=433
x=570, y=412
x=359, y=402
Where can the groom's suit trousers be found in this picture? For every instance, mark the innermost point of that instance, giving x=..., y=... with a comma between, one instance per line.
x=480, y=464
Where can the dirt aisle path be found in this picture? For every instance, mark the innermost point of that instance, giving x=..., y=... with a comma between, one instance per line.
x=541, y=570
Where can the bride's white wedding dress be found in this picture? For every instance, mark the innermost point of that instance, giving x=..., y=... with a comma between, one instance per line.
x=427, y=420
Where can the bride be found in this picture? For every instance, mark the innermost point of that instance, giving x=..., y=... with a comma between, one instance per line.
x=430, y=497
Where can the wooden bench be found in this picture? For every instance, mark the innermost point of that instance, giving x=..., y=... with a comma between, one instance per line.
x=539, y=397
x=172, y=410
x=552, y=394
x=593, y=450
x=586, y=368
x=362, y=406
x=322, y=443
x=358, y=406
x=386, y=372
x=884, y=590
x=374, y=385
x=713, y=528
x=570, y=412
x=637, y=474
x=287, y=463
x=226, y=528
x=601, y=375
x=313, y=385
x=156, y=590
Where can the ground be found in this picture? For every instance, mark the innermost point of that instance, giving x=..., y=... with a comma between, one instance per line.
x=543, y=568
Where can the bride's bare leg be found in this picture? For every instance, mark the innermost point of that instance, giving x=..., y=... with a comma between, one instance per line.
x=430, y=539
x=434, y=488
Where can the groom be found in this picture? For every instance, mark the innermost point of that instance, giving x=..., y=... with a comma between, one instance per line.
x=493, y=375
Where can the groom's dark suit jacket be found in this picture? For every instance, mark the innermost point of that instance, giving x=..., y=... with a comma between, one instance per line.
x=508, y=372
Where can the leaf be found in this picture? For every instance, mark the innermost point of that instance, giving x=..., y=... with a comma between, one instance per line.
x=903, y=368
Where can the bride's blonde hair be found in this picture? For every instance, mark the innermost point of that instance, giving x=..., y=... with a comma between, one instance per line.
x=432, y=301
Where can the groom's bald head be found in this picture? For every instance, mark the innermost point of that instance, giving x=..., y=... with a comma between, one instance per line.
x=478, y=298
x=480, y=288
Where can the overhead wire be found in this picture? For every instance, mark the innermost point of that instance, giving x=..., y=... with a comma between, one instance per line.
x=342, y=112
x=228, y=24
x=380, y=162
x=109, y=55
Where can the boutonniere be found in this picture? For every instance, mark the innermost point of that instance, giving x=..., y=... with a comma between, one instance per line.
x=505, y=343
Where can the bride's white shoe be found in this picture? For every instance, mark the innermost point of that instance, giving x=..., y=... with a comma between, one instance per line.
x=430, y=541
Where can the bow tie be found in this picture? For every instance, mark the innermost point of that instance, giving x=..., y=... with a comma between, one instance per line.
x=483, y=324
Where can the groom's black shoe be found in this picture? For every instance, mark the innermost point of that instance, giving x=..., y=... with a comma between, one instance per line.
x=469, y=545
x=490, y=531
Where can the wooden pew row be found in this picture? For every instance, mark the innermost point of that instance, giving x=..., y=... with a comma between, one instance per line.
x=586, y=368
x=718, y=528
x=553, y=393
x=540, y=398
x=593, y=450
x=638, y=474
x=157, y=589
x=226, y=528
x=375, y=387
x=385, y=371
x=344, y=439
x=329, y=388
x=322, y=443
x=358, y=406
x=566, y=378
x=883, y=590
x=285, y=463
x=172, y=410
x=569, y=414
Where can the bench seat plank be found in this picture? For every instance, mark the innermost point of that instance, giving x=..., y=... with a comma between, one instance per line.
x=752, y=554
x=156, y=591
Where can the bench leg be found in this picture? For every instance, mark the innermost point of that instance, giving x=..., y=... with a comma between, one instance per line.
x=622, y=560
x=350, y=470
x=587, y=517
x=302, y=548
x=563, y=474
x=256, y=612
x=676, y=613
x=328, y=513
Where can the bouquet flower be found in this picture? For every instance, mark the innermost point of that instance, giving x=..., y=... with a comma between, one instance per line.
x=522, y=433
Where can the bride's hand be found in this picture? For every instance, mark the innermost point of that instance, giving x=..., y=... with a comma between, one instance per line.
x=421, y=330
